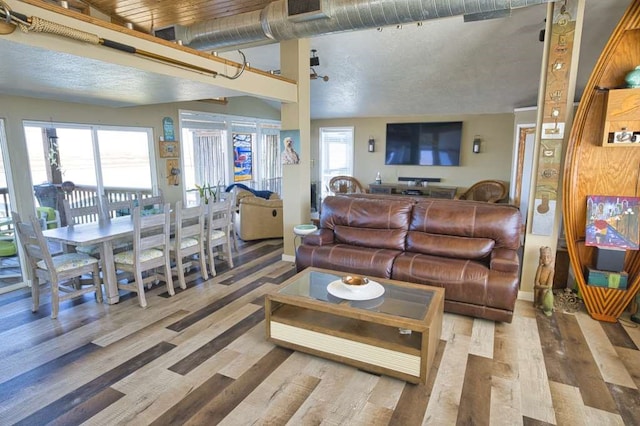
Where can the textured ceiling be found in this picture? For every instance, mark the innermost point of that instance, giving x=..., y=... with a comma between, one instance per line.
x=445, y=66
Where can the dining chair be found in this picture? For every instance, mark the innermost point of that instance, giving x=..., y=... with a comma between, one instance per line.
x=219, y=229
x=189, y=240
x=151, y=241
x=151, y=201
x=231, y=195
x=119, y=208
x=116, y=209
x=83, y=214
x=60, y=270
x=490, y=191
x=346, y=185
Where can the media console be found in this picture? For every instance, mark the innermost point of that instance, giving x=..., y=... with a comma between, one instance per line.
x=448, y=192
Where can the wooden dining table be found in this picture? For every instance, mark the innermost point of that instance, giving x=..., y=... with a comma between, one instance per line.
x=103, y=233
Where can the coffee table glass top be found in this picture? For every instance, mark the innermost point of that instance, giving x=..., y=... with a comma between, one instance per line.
x=407, y=302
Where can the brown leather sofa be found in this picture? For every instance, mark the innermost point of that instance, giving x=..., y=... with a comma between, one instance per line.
x=258, y=218
x=469, y=248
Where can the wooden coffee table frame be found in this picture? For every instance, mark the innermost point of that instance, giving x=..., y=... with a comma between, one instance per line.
x=363, y=338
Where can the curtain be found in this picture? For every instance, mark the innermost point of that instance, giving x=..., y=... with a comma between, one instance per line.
x=208, y=152
x=272, y=166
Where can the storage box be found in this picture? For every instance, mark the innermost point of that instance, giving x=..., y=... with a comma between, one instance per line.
x=607, y=279
x=610, y=259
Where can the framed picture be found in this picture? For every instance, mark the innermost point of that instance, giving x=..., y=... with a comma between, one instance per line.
x=290, y=150
x=169, y=149
x=168, y=129
x=242, y=156
x=612, y=222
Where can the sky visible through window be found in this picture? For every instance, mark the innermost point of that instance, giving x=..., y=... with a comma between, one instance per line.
x=124, y=156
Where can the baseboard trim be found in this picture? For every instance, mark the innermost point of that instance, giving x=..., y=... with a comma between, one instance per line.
x=525, y=295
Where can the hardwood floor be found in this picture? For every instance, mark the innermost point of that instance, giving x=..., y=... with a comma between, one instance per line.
x=200, y=358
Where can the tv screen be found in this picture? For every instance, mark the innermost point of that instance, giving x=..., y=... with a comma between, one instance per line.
x=424, y=144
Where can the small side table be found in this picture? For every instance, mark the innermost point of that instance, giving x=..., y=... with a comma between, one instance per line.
x=302, y=230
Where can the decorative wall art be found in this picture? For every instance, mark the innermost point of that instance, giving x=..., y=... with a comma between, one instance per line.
x=554, y=116
x=242, y=156
x=169, y=149
x=546, y=194
x=612, y=222
x=290, y=146
x=168, y=129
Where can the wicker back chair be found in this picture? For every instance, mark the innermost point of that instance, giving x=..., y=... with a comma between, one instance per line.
x=345, y=185
x=490, y=191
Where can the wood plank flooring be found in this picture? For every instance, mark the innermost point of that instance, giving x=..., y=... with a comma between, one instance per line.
x=200, y=358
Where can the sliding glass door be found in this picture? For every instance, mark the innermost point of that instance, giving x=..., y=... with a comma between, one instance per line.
x=115, y=161
x=10, y=265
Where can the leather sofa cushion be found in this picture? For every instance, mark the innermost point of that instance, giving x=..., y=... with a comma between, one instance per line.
x=367, y=222
x=464, y=281
x=474, y=219
x=347, y=258
x=449, y=246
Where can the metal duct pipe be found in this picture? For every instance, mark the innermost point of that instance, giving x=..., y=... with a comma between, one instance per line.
x=271, y=24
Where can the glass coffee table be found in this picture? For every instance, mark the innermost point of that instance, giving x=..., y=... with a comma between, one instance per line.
x=395, y=333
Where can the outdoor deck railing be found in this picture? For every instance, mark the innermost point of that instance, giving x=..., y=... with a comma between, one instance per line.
x=85, y=195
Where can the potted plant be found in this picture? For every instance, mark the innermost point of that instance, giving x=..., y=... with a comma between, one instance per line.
x=207, y=192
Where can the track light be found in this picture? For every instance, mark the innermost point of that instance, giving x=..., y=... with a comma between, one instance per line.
x=315, y=76
x=314, y=61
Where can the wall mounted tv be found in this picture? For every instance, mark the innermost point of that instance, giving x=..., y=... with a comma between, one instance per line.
x=424, y=144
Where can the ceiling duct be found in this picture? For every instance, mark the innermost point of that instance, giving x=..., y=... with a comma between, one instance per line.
x=273, y=23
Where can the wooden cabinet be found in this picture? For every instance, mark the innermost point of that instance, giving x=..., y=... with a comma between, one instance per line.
x=448, y=192
x=621, y=125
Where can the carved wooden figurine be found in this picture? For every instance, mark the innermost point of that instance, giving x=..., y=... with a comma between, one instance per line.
x=543, y=283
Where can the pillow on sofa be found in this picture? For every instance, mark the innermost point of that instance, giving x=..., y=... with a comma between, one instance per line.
x=449, y=246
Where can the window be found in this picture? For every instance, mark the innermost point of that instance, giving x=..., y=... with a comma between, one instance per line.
x=336, y=154
x=219, y=150
x=116, y=161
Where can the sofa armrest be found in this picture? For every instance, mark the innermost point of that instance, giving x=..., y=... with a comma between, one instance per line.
x=320, y=237
x=241, y=194
x=504, y=260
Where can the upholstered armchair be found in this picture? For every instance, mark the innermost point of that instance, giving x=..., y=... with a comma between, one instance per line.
x=491, y=191
x=258, y=218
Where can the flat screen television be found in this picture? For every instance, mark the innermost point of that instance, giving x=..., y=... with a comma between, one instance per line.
x=424, y=144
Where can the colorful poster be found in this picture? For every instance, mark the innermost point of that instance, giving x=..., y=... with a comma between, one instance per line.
x=612, y=222
x=242, y=156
